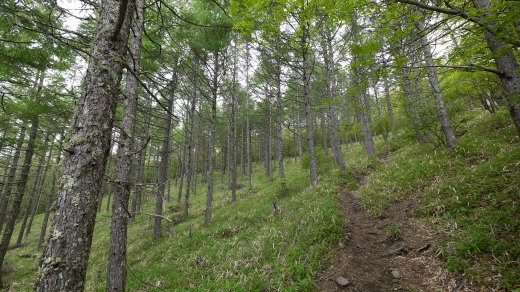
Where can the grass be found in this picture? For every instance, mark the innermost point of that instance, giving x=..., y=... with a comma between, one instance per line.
x=248, y=246
x=470, y=194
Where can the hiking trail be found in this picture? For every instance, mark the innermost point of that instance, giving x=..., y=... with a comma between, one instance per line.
x=393, y=252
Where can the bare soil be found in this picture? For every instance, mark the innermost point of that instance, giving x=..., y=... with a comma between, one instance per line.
x=374, y=247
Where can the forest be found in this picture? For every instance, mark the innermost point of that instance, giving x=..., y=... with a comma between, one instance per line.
x=259, y=145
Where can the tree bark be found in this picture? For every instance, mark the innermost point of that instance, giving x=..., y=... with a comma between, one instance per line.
x=505, y=61
x=64, y=262
x=116, y=272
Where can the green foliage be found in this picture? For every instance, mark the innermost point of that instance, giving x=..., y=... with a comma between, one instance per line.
x=323, y=162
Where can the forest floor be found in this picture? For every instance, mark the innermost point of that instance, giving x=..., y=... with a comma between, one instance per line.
x=391, y=252
x=445, y=220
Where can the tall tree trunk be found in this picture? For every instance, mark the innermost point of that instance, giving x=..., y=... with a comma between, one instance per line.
x=10, y=179
x=233, y=130
x=229, y=156
x=178, y=167
x=20, y=190
x=331, y=91
x=64, y=262
x=195, y=154
x=248, y=126
x=165, y=158
x=308, y=107
x=268, y=135
x=279, y=139
x=183, y=171
x=242, y=152
x=155, y=165
x=204, y=159
x=116, y=277
x=169, y=175
x=362, y=98
x=139, y=178
x=211, y=150
x=189, y=162
x=225, y=152
x=442, y=112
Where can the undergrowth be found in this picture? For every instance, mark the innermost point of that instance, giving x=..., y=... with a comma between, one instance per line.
x=248, y=246
x=470, y=193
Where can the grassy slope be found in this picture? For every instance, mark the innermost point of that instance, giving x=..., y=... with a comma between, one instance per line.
x=470, y=193
x=246, y=247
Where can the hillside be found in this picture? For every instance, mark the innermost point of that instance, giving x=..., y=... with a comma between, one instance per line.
x=467, y=198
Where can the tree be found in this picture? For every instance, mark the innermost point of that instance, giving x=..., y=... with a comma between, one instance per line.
x=20, y=191
x=506, y=63
x=116, y=279
x=165, y=157
x=360, y=58
x=65, y=257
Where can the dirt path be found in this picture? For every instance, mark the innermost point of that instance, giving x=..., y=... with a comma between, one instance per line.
x=369, y=259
